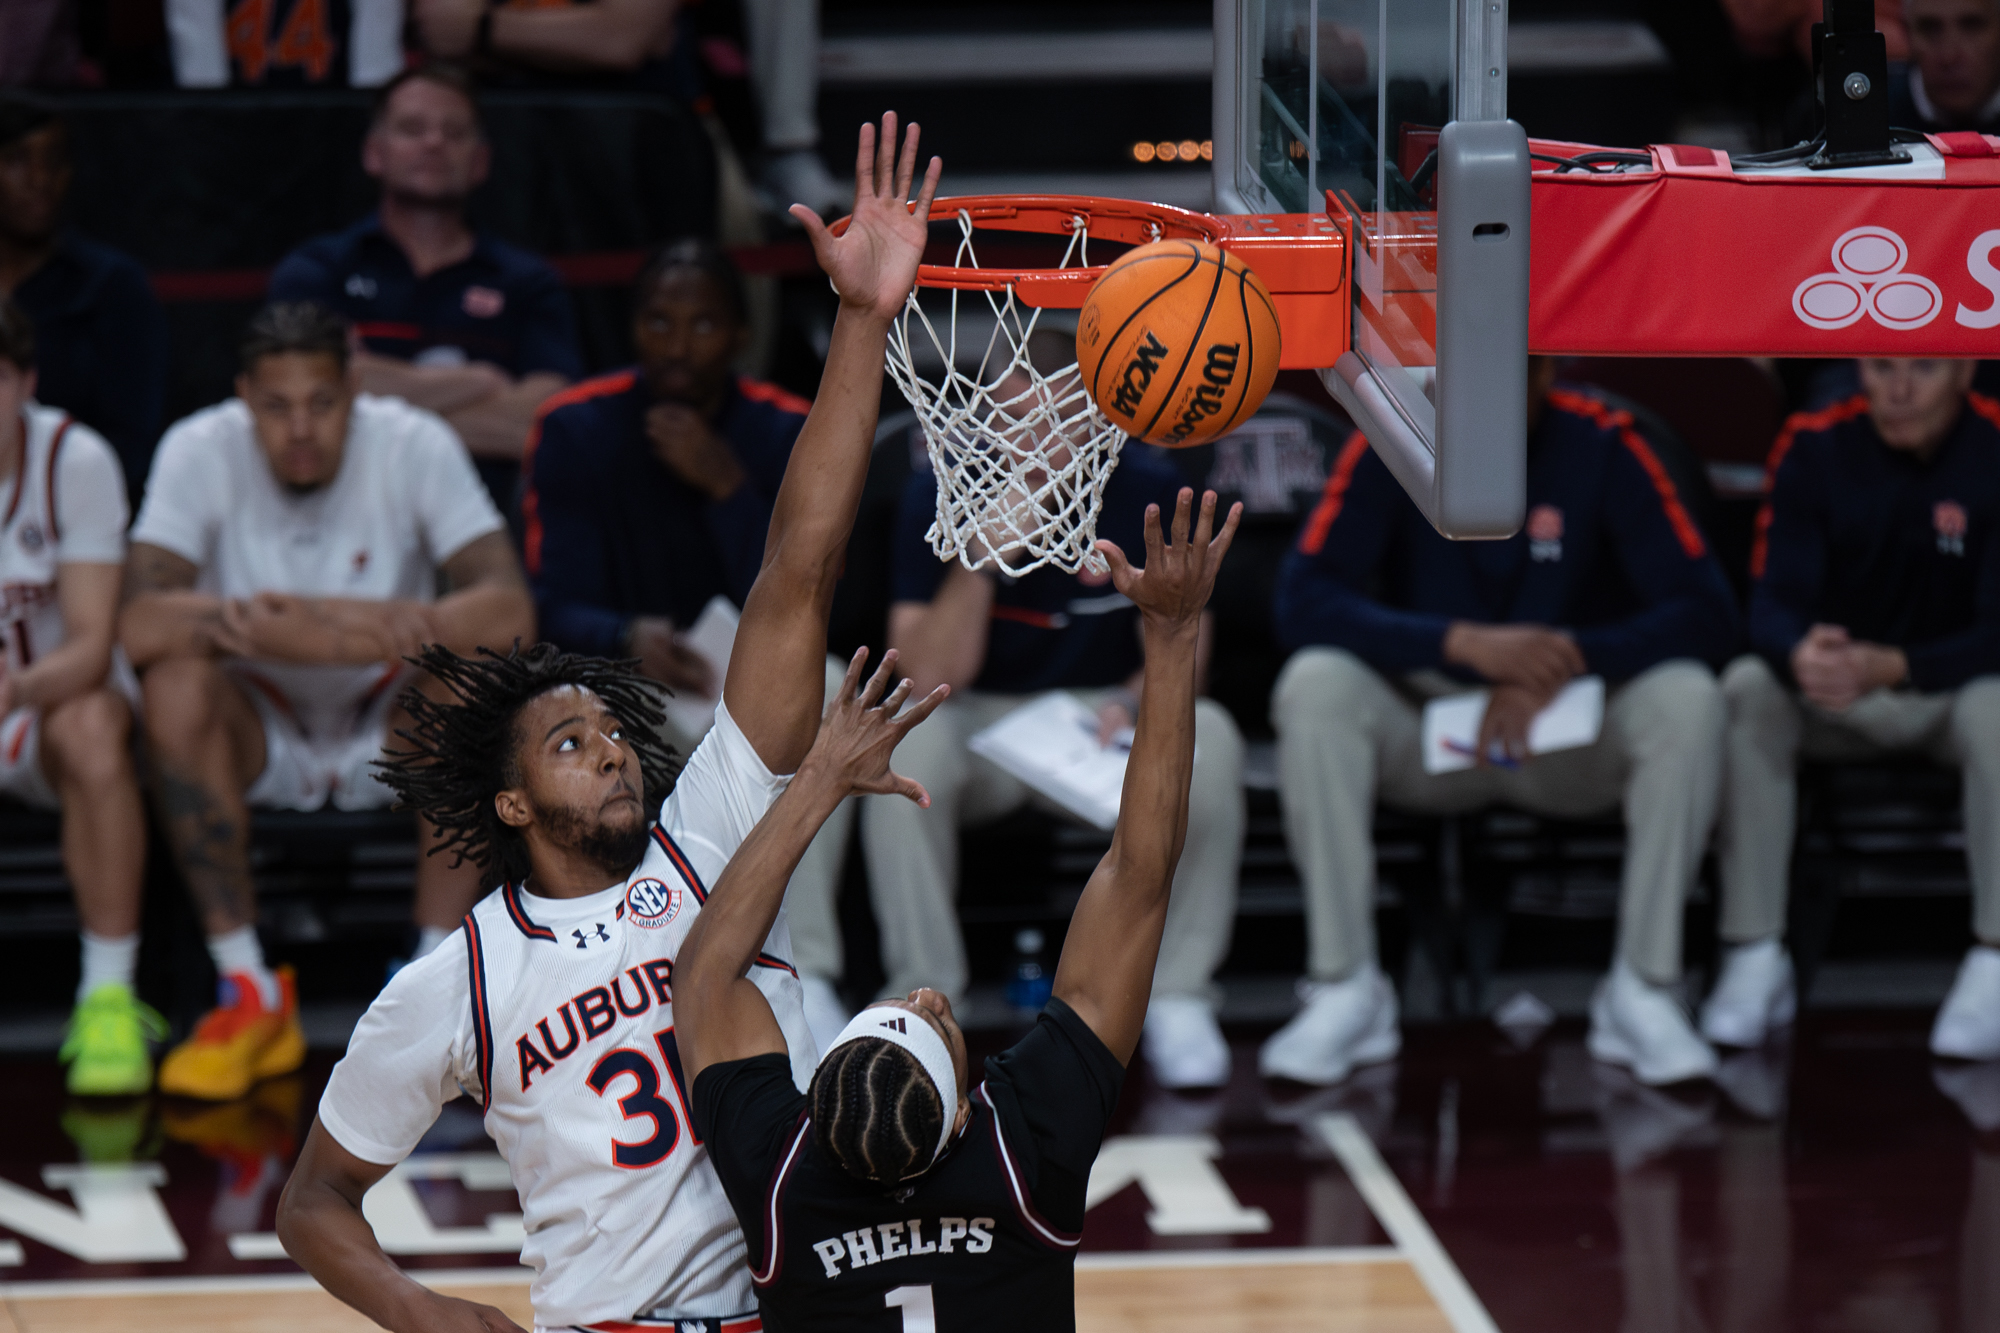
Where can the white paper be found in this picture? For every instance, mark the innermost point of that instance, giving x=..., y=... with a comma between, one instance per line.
x=1451, y=724
x=712, y=637
x=1051, y=744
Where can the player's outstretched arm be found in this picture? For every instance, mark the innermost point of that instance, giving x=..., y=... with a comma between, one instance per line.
x=776, y=671
x=719, y=1014
x=320, y=1223
x=1106, y=972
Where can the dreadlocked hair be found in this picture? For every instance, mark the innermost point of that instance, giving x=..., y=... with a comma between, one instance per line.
x=465, y=752
x=874, y=1111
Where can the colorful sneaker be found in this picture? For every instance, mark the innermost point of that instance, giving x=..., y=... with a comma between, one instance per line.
x=237, y=1043
x=105, y=1047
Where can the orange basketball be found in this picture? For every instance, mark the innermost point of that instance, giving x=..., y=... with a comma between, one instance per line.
x=1178, y=343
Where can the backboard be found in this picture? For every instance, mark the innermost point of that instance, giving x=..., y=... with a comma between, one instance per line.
x=1393, y=115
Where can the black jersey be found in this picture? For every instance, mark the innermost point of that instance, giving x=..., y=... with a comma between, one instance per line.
x=986, y=1239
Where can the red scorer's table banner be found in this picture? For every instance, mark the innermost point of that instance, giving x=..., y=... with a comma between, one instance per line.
x=1691, y=258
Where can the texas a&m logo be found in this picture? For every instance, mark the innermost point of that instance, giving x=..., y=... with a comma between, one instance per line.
x=1948, y=518
x=652, y=903
x=1545, y=533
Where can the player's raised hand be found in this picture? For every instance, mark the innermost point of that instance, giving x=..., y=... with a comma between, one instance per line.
x=862, y=728
x=1175, y=584
x=873, y=262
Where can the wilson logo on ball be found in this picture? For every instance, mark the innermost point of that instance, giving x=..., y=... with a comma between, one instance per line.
x=1217, y=376
x=1177, y=342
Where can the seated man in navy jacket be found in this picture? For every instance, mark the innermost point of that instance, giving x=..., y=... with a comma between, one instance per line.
x=1875, y=616
x=100, y=335
x=450, y=318
x=999, y=641
x=1611, y=577
x=649, y=492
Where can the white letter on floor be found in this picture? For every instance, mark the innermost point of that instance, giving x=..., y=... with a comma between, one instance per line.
x=118, y=1218
x=1177, y=1172
x=402, y=1225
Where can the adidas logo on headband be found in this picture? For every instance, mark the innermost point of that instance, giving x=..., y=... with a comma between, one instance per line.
x=919, y=1039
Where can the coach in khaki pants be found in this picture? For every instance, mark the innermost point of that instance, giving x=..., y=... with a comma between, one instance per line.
x=1876, y=619
x=1610, y=577
x=999, y=642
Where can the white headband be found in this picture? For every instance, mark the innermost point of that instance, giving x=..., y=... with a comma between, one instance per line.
x=900, y=1027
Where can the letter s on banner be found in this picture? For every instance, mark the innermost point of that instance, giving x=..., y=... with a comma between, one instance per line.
x=1979, y=259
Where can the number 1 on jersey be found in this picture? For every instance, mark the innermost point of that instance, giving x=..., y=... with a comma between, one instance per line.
x=919, y=1316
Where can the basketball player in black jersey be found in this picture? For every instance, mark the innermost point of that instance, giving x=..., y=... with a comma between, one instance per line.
x=894, y=1195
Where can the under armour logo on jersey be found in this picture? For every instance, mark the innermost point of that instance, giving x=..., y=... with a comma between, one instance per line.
x=360, y=286
x=900, y=1024
x=31, y=538
x=584, y=941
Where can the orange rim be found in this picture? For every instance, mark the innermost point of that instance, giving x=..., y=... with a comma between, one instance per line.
x=1120, y=221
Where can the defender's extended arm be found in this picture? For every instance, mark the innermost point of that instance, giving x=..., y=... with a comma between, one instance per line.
x=719, y=1014
x=1106, y=972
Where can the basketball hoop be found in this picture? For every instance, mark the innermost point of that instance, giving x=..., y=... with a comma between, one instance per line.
x=1020, y=452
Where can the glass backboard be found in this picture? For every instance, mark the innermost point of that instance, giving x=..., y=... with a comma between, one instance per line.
x=1391, y=114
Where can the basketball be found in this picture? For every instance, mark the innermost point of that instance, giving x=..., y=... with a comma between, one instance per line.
x=1178, y=343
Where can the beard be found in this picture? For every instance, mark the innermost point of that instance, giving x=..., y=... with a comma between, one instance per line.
x=616, y=848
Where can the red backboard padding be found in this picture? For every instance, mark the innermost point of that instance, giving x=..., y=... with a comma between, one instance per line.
x=1693, y=259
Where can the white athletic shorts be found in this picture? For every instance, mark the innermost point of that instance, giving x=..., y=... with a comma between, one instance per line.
x=308, y=769
x=21, y=775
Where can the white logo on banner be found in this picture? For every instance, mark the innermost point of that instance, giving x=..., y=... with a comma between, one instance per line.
x=1868, y=279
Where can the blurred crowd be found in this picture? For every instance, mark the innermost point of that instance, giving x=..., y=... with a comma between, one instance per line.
x=415, y=452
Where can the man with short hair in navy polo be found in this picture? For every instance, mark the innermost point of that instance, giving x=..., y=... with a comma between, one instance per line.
x=1611, y=577
x=450, y=319
x=1875, y=620
x=998, y=642
x=648, y=494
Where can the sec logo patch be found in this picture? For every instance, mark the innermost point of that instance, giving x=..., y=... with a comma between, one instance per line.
x=652, y=904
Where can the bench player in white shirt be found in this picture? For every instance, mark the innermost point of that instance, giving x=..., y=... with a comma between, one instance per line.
x=553, y=1005
x=286, y=560
x=65, y=731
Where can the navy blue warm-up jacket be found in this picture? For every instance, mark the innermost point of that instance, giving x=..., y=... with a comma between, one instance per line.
x=1609, y=554
x=1894, y=549
x=612, y=533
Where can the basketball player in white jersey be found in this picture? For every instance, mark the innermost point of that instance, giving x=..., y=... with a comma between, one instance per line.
x=287, y=557
x=553, y=1004
x=64, y=729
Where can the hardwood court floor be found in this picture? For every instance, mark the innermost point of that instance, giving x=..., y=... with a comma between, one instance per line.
x=263, y=1311
x=1843, y=1182
x=1379, y=1297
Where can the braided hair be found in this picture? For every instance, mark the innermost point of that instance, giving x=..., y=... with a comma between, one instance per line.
x=462, y=754
x=874, y=1111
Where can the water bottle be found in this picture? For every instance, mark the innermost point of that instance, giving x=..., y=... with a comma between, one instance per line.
x=1028, y=984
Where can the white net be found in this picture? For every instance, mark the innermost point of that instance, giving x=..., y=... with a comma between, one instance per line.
x=1020, y=452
